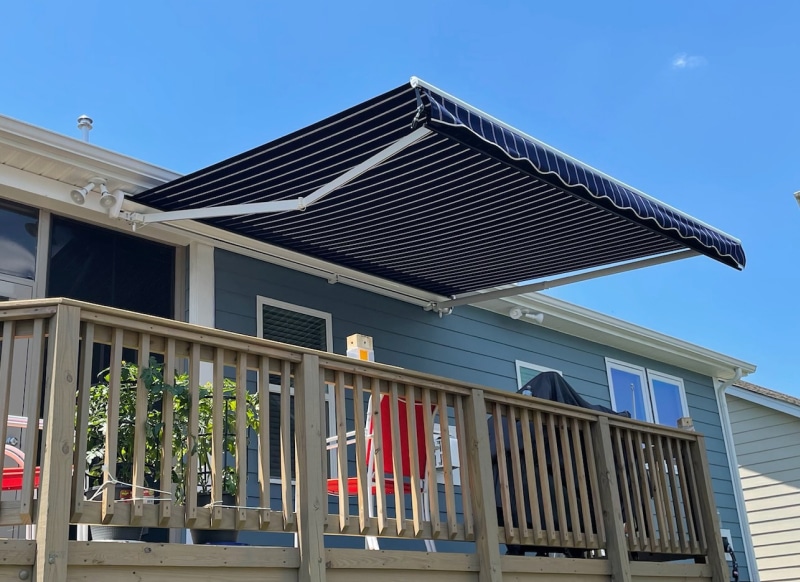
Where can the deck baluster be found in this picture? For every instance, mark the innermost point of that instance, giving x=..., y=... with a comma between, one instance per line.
x=616, y=544
x=52, y=519
x=487, y=543
x=312, y=500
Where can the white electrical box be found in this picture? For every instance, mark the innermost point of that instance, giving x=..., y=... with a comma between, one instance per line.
x=438, y=458
x=727, y=539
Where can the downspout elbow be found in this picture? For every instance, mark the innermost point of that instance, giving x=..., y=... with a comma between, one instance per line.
x=723, y=385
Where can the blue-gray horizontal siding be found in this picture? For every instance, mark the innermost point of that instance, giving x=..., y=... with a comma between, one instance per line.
x=472, y=345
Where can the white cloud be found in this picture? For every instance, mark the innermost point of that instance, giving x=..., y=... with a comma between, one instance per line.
x=686, y=61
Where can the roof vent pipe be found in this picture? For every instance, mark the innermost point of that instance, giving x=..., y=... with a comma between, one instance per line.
x=85, y=125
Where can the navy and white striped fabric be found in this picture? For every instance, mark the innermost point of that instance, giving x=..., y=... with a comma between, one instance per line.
x=469, y=207
x=581, y=180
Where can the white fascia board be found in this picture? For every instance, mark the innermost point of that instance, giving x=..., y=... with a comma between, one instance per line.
x=60, y=148
x=606, y=330
x=765, y=401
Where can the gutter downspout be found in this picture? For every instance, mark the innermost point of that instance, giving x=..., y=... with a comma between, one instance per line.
x=738, y=493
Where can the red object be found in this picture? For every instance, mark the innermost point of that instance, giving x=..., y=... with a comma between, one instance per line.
x=387, y=445
x=12, y=478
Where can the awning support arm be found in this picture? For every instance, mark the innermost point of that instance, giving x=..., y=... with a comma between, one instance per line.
x=447, y=306
x=138, y=218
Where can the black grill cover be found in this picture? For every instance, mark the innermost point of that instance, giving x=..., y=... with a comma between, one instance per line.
x=552, y=386
x=548, y=386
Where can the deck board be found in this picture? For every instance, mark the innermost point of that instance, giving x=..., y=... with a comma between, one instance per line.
x=123, y=562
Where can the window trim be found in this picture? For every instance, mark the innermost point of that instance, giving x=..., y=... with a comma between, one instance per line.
x=261, y=300
x=519, y=364
x=646, y=375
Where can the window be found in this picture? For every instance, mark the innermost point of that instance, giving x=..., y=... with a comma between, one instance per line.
x=627, y=385
x=669, y=398
x=299, y=326
x=19, y=227
x=648, y=395
x=527, y=372
x=110, y=268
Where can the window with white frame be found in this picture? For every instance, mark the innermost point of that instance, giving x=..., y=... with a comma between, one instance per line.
x=668, y=398
x=647, y=394
x=527, y=372
x=299, y=326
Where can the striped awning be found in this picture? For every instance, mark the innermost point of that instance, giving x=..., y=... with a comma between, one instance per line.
x=460, y=203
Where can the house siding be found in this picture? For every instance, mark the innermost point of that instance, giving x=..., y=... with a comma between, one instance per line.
x=767, y=446
x=471, y=345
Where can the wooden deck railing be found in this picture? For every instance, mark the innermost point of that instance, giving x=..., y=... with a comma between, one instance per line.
x=334, y=446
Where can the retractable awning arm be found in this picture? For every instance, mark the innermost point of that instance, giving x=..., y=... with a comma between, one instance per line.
x=512, y=291
x=141, y=219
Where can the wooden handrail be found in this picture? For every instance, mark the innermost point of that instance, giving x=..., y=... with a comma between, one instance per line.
x=244, y=343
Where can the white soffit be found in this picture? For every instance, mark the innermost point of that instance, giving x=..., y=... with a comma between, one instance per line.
x=73, y=161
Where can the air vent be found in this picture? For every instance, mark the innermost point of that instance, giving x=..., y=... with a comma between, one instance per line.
x=294, y=327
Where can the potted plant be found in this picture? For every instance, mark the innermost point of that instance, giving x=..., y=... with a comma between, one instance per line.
x=96, y=441
x=186, y=448
x=199, y=448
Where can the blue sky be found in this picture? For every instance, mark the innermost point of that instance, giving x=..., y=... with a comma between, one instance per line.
x=695, y=103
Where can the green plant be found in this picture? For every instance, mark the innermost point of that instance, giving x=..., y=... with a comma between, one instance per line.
x=186, y=447
x=98, y=426
x=201, y=444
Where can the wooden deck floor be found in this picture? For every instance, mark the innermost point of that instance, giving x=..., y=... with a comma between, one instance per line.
x=140, y=562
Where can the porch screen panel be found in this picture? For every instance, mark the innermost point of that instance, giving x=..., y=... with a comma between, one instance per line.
x=110, y=268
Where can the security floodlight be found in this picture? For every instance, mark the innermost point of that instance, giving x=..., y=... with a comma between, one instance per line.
x=78, y=195
x=107, y=200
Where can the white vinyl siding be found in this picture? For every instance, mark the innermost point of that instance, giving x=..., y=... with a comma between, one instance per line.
x=768, y=450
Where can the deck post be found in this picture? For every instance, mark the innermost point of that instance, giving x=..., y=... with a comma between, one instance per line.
x=312, y=502
x=52, y=516
x=715, y=554
x=487, y=543
x=616, y=542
